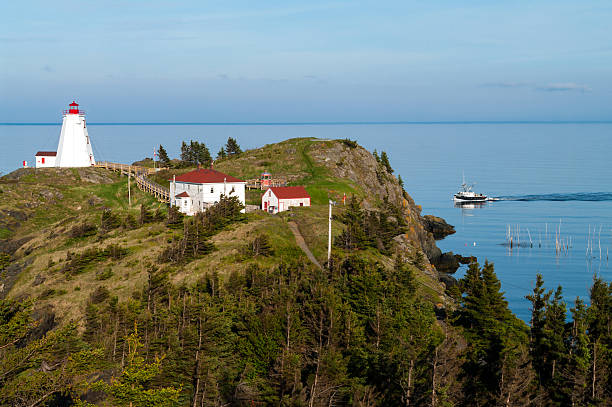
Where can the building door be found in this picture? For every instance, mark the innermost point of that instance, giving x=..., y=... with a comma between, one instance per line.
x=265, y=206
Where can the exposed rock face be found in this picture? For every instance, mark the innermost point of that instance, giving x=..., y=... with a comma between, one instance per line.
x=437, y=226
x=359, y=165
x=9, y=276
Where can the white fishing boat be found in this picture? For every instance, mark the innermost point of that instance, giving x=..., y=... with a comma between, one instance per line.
x=467, y=195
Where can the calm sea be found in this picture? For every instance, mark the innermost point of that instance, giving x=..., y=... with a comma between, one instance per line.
x=554, y=179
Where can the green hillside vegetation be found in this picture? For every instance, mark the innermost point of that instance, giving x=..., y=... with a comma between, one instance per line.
x=111, y=305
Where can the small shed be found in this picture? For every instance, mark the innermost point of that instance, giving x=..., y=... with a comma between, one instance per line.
x=45, y=159
x=279, y=199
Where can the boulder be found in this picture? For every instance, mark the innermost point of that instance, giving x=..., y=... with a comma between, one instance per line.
x=437, y=226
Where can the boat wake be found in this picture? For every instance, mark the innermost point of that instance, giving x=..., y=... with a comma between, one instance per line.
x=579, y=196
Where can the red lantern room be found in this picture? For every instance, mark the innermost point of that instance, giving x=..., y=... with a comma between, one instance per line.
x=73, y=108
x=266, y=180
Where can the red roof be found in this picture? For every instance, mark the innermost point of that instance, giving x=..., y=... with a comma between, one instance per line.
x=183, y=195
x=290, y=192
x=46, y=154
x=206, y=176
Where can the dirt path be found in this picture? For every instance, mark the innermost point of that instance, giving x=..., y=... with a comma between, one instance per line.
x=299, y=239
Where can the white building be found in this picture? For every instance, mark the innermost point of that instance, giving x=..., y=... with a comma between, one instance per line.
x=195, y=191
x=45, y=159
x=279, y=199
x=74, y=148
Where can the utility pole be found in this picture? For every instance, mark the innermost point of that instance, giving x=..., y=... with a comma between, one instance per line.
x=129, y=186
x=329, y=234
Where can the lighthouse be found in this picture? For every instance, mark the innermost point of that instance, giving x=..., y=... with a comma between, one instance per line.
x=74, y=148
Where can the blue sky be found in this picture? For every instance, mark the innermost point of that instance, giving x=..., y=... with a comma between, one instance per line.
x=236, y=61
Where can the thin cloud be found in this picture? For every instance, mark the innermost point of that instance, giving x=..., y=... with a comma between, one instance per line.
x=548, y=87
x=506, y=85
x=564, y=87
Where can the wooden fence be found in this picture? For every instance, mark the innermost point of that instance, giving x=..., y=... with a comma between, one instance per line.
x=140, y=173
x=256, y=183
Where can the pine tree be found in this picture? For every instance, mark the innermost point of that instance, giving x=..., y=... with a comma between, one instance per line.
x=376, y=157
x=221, y=154
x=163, y=156
x=109, y=221
x=555, y=332
x=384, y=160
x=175, y=218
x=576, y=373
x=202, y=155
x=539, y=346
x=133, y=385
x=145, y=215
x=232, y=147
x=599, y=317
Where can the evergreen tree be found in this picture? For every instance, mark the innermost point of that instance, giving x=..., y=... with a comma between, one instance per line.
x=353, y=236
x=555, y=332
x=221, y=154
x=384, y=160
x=175, y=218
x=539, y=339
x=163, y=156
x=145, y=215
x=576, y=373
x=376, y=157
x=232, y=147
x=109, y=221
x=195, y=153
x=599, y=317
x=133, y=386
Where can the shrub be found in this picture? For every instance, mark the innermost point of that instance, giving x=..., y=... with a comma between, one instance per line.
x=83, y=230
x=349, y=143
x=260, y=246
x=145, y=215
x=109, y=221
x=99, y=295
x=130, y=222
x=104, y=274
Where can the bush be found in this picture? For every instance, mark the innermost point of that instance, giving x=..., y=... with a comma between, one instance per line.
x=83, y=230
x=260, y=246
x=130, y=222
x=104, y=274
x=349, y=143
x=109, y=221
x=145, y=215
x=99, y=295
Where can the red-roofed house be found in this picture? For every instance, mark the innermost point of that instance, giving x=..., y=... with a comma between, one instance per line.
x=196, y=190
x=45, y=159
x=279, y=199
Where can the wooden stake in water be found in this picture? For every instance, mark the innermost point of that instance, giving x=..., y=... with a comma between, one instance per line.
x=530, y=242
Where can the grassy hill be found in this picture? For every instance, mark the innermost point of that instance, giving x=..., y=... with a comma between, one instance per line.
x=42, y=207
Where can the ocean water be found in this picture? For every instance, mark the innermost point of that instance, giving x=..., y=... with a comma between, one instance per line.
x=553, y=179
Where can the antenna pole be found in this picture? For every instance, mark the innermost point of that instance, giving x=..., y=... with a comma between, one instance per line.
x=329, y=234
x=129, y=186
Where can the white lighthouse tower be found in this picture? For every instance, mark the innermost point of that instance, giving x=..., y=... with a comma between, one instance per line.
x=74, y=148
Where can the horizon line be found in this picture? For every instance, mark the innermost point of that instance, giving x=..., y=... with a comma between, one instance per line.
x=317, y=123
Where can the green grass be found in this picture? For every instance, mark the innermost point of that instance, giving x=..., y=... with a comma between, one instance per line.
x=5, y=233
